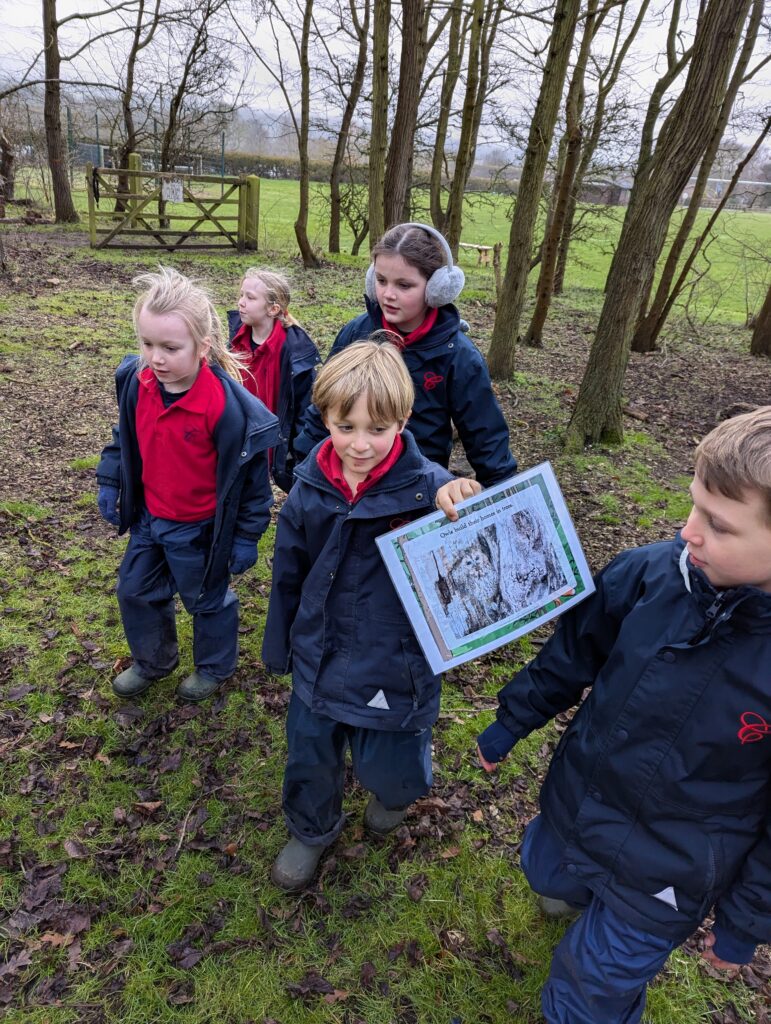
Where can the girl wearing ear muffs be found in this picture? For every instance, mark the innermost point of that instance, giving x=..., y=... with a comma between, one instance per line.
x=410, y=288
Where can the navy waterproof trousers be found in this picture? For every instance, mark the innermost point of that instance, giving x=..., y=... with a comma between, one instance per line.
x=601, y=968
x=163, y=558
x=395, y=766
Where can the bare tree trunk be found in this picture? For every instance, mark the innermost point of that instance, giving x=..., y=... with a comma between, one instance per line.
x=361, y=28
x=455, y=47
x=652, y=322
x=466, y=142
x=7, y=172
x=129, y=144
x=509, y=310
x=358, y=239
x=379, y=139
x=682, y=277
x=605, y=84
x=476, y=86
x=397, y=175
x=309, y=257
x=480, y=28
x=563, y=185
x=64, y=208
x=675, y=65
x=682, y=139
x=761, y=335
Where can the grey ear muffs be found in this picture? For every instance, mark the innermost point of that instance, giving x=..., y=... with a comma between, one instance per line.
x=444, y=285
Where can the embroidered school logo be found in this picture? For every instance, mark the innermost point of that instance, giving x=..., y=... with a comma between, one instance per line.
x=190, y=434
x=430, y=380
x=754, y=727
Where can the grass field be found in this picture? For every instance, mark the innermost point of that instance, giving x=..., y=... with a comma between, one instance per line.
x=136, y=840
x=733, y=271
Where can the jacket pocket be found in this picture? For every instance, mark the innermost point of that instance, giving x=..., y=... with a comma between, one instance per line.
x=422, y=681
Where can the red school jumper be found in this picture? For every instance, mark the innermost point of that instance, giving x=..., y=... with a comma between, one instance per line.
x=179, y=459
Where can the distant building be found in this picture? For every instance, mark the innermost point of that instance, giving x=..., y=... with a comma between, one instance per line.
x=607, y=191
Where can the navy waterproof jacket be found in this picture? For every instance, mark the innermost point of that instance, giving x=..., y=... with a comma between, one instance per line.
x=242, y=437
x=297, y=371
x=452, y=385
x=660, y=788
x=334, y=617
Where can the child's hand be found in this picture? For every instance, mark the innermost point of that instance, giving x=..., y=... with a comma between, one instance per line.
x=107, y=500
x=243, y=555
x=487, y=765
x=715, y=961
x=448, y=495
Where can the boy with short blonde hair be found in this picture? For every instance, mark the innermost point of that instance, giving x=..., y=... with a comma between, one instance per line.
x=656, y=807
x=359, y=678
x=373, y=368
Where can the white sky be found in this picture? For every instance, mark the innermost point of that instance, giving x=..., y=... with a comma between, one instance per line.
x=20, y=39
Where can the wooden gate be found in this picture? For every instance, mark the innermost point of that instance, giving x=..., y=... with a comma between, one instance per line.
x=210, y=212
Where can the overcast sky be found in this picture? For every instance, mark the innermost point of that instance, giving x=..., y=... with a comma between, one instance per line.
x=20, y=40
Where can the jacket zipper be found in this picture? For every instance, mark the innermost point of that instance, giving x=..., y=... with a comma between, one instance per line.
x=711, y=618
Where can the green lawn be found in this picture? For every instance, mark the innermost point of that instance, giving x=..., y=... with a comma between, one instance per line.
x=734, y=269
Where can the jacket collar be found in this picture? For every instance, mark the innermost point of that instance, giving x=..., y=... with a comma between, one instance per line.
x=409, y=467
x=259, y=421
x=445, y=329
x=303, y=354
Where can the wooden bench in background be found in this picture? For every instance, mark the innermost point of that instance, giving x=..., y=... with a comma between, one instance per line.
x=483, y=250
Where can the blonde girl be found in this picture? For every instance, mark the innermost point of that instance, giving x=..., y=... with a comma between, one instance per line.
x=279, y=359
x=187, y=473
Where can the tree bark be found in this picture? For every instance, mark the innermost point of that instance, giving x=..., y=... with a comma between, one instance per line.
x=509, y=311
x=309, y=258
x=465, y=144
x=682, y=139
x=605, y=84
x=361, y=28
x=573, y=135
x=455, y=47
x=682, y=277
x=397, y=175
x=485, y=20
x=675, y=65
x=761, y=334
x=649, y=328
x=7, y=171
x=58, y=163
x=129, y=144
x=379, y=138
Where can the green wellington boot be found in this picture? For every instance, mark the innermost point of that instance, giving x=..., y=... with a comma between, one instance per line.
x=130, y=684
x=379, y=819
x=296, y=865
x=556, y=910
x=198, y=686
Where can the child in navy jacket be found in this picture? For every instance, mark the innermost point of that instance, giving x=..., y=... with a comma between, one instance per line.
x=410, y=288
x=359, y=677
x=657, y=804
x=188, y=468
x=278, y=360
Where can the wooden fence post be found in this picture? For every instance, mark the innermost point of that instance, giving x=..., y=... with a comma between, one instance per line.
x=135, y=182
x=243, y=194
x=91, y=204
x=252, y=230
